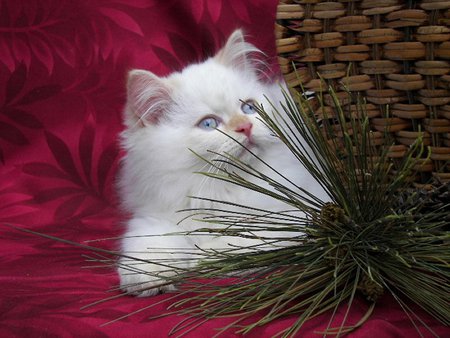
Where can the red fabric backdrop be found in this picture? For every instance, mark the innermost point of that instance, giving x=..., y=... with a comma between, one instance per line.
x=62, y=72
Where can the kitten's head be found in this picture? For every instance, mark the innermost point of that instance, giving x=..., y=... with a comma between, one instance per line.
x=196, y=107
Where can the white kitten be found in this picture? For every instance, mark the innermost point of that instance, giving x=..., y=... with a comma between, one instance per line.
x=164, y=118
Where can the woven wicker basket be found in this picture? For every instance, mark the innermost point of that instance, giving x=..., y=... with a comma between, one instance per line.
x=395, y=54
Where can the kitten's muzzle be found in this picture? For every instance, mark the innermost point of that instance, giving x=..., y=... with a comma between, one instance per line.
x=245, y=128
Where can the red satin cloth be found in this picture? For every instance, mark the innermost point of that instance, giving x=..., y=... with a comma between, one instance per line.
x=63, y=66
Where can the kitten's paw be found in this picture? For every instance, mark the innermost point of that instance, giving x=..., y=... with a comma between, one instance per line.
x=142, y=278
x=142, y=284
x=152, y=255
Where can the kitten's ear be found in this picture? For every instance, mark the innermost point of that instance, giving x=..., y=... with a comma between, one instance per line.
x=148, y=98
x=239, y=54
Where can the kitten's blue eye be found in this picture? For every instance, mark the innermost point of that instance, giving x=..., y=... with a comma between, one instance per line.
x=209, y=123
x=248, y=107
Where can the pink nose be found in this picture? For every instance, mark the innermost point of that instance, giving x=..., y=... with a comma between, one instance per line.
x=245, y=128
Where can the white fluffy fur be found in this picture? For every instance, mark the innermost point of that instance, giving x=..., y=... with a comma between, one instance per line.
x=161, y=119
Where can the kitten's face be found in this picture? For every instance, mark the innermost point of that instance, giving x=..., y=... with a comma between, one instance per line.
x=202, y=108
x=212, y=105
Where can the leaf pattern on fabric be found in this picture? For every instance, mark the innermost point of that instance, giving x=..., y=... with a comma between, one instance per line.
x=167, y=58
x=214, y=10
x=183, y=48
x=26, y=38
x=121, y=19
x=82, y=179
x=46, y=34
x=240, y=10
x=13, y=110
x=11, y=134
x=44, y=170
x=85, y=148
x=63, y=157
x=15, y=82
x=63, y=66
x=23, y=118
x=40, y=93
x=12, y=115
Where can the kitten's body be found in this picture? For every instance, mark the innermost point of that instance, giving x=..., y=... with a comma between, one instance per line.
x=165, y=117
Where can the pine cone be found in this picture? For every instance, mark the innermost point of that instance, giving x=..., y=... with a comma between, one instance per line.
x=332, y=213
x=434, y=200
x=370, y=288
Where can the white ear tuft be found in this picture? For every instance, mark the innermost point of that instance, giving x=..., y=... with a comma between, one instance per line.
x=239, y=54
x=148, y=98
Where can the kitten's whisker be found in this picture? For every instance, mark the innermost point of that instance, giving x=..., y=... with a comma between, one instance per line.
x=205, y=179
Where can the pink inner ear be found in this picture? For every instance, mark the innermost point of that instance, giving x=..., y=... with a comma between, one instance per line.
x=153, y=118
x=148, y=97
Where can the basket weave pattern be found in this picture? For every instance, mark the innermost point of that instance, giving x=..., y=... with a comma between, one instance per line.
x=394, y=54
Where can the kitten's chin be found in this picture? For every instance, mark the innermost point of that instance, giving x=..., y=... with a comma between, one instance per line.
x=246, y=152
